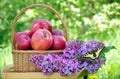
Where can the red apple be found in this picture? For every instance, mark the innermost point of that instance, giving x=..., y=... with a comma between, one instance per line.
x=28, y=32
x=58, y=32
x=17, y=35
x=22, y=41
x=41, y=40
x=41, y=24
x=59, y=42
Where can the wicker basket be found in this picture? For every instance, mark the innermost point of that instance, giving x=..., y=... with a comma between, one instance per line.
x=7, y=74
x=21, y=57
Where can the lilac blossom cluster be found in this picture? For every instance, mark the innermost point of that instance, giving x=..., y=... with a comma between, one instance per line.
x=94, y=66
x=67, y=64
x=91, y=66
x=44, y=62
x=75, y=48
x=89, y=47
x=55, y=63
x=71, y=49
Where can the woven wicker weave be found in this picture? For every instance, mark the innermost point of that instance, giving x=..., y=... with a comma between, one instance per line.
x=21, y=57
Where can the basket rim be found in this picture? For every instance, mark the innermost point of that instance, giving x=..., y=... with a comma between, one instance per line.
x=38, y=51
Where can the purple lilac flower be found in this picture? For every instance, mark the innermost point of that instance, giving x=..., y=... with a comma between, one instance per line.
x=54, y=63
x=89, y=47
x=70, y=67
x=83, y=63
x=71, y=49
x=74, y=44
x=58, y=63
x=93, y=68
x=37, y=60
x=44, y=62
x=47, y=65
x=66, y=64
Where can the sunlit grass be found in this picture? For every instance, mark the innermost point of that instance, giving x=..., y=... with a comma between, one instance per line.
x=5, y=55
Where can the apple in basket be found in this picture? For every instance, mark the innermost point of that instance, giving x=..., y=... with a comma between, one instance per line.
x=22, y=41
x=28, y=32
x=59, y=42
x=41, y=24
x=58, y=32
x=41, y=40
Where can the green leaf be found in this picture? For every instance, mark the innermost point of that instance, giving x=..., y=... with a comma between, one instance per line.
x=108, y=48
x=102, y=55
x=77, y=57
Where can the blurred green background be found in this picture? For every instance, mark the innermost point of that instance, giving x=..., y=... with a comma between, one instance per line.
x=86, y=20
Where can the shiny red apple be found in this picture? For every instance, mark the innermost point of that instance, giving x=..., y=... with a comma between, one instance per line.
x=28, y=32
x=41, y=40
x=22, y=41
x=17, y=35
x=59, y=42
x=58, y=32
x=41, y=24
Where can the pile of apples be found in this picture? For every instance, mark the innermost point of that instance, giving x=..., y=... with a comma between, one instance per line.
x=40, y=37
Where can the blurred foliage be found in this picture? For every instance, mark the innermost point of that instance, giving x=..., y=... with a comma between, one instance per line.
x=85, y=19
x=88, y=17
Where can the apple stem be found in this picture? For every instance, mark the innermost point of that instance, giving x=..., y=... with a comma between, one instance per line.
x=45, y=35
x=41, y=27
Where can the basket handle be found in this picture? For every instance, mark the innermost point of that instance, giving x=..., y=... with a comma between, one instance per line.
x=36, y=5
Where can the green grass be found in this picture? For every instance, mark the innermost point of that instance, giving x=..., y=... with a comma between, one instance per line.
x=5, y=56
